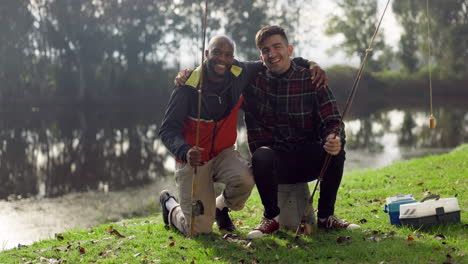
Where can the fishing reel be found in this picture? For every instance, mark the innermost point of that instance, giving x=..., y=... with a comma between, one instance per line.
x=197, y=208
x=305, y=229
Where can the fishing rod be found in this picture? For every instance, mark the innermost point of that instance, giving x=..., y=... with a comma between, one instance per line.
x=302, y=225
x=197, y=206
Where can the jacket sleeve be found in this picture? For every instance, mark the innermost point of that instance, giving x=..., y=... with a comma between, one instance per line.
x=301, y=62
x=252, y=68
x=329, y=114
x=170, y=132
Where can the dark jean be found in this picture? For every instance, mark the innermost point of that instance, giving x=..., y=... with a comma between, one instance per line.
x=272, y=167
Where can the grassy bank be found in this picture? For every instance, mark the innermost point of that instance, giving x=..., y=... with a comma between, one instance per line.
x=361, y=199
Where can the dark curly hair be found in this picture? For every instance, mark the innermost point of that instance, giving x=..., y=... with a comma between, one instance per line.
x=269, y=31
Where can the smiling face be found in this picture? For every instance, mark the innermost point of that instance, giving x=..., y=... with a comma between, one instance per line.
x=220, y=57
x=275, y=53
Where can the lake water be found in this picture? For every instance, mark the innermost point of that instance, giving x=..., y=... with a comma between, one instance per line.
x=63, y=169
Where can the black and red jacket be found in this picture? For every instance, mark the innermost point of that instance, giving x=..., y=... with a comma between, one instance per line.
x=178, y=129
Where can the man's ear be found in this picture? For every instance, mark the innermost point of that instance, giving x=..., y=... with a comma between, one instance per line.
x=290, y=50
x=261, y=58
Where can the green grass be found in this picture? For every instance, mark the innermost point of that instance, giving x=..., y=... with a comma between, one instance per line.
x=361, y=197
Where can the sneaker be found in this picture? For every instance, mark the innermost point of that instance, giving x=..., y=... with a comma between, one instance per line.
x=333, y=222
x=163, y=198
x=223, y=221
x=266, y=226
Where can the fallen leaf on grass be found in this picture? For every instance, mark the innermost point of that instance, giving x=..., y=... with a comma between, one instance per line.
x=113, y=231
x=374, y=211
x=49, y=261
x=343, y=239
x=131, y=237
x=375, y=239
x=235, y=239
x=410, y=238
x=107, y=253
x=426, y=192
x=250, y=245
x=439, y=237
x=137, y=254
x=82, y=250
x=59, y=237
x=217, y=258
x=363, y=221
x=172, y=244
x=272, y=245
x=420, y=183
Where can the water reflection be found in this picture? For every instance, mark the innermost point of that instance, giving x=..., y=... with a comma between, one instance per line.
x=50, y=153
x=76, y=167
x=388, y=136
x=411, y=129
x=54, y=152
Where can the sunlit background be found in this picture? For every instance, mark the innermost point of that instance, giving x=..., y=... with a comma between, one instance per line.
x=84, y=85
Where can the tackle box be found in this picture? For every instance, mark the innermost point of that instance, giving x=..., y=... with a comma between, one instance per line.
x=392, y=206
x=430, y=212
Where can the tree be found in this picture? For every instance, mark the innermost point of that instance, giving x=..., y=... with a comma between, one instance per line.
x=357, y=25
x=408, y=14
x=15, y=27
x=448, y=21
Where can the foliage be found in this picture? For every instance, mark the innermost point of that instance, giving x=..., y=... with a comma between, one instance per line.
x=357, y=25
x=360, y=199
x=87, y=50
x=448, y=23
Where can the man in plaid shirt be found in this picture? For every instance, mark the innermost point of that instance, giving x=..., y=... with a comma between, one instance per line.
x=291, y=126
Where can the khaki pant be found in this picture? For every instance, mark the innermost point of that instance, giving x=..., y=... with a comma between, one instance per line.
x=228, y=168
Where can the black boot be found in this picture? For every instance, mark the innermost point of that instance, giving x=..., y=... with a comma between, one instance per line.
x=223, y=221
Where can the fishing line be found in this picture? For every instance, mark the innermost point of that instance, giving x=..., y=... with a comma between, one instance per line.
x=432, y=120
x=337, y=131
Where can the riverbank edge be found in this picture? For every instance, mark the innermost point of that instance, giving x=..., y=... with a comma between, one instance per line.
x=361, y=197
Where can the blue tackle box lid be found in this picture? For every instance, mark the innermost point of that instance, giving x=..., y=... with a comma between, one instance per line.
x=393, y=202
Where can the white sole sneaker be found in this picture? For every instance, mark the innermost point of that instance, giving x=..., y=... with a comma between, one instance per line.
x=254, y=234
x=353, y=226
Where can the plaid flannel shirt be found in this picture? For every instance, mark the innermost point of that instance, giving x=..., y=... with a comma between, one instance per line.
x=288, y=111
